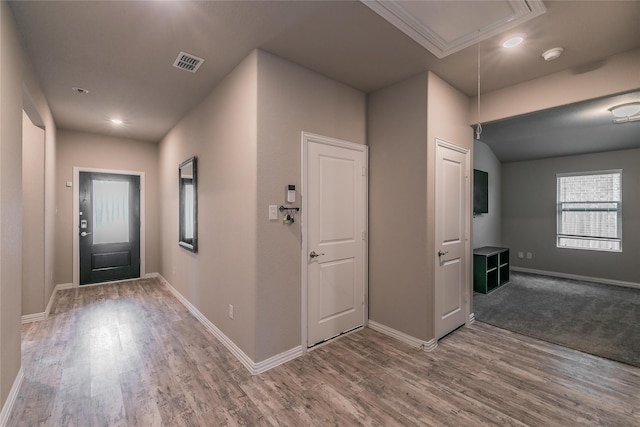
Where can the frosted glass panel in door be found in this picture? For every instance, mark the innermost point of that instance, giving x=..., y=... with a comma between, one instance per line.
x=110, y=212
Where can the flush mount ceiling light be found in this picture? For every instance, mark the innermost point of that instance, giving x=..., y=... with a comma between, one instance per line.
x=116, y=121
x=552, y=54
x=513, y=41
x=80, y=90
x=628, y=112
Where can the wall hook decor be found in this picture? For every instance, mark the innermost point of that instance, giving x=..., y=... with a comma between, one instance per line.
x=289, y=218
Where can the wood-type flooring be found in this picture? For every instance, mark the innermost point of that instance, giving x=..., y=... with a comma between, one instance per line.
x=129, y=354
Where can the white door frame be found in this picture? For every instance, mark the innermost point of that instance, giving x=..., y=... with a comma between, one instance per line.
x=467, y=249
x=75, y=226
x=306, y=139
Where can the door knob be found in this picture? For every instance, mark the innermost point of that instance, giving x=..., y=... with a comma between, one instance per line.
x=84, y=234
x=313, y=254
x=440, y=253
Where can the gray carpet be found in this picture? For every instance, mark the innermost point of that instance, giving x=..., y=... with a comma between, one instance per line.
x=602, y=320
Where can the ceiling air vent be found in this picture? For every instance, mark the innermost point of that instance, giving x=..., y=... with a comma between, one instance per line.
x=188, y=62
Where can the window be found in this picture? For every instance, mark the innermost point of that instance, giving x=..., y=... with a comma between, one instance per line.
x=110, y=211
x=590, y=210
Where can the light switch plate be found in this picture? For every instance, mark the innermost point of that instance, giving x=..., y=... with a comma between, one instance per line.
x=273, y=212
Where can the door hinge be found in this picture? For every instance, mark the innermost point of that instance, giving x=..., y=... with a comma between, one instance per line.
x=364, y=235
x=364, y=171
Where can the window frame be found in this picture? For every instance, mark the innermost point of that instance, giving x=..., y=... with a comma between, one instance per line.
x=559, y=211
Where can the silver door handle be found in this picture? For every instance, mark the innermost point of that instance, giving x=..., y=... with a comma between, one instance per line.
x=313, y=254
x=84, y=234
x=440, y=253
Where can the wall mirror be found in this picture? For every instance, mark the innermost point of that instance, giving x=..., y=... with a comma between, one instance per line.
x=188, y=192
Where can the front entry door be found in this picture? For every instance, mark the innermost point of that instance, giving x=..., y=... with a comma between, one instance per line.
x=335, y=224
x=452, y=210
x=109, y=227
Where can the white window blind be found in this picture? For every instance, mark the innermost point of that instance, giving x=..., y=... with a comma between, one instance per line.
x=590, y=210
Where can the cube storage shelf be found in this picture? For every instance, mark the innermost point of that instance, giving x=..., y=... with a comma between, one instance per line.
x=490, y=268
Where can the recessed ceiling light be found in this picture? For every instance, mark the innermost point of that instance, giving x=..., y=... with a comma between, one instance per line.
x=80, y=90
x=116, y=121
x=552, y=54
x=513, y=41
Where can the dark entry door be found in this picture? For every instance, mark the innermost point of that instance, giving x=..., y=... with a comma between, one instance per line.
x=109, y=227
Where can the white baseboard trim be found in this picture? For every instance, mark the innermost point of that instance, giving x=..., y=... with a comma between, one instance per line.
x=58, y=287
x=276, y=360
x=253, y=367
x=401, y=336
x=7, y=408
x=34, y=317
x=578, y=277
x=472, y=318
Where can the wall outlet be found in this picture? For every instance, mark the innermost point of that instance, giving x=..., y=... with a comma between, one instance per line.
x=529, y=255
x=230, y=311
x=521, y=255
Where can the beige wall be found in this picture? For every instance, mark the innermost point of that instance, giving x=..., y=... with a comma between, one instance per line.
x=18, y=89
x=529, y=216
x=291, y=99
x=33, y=214
x=618, y=73
x=11, y=57
x=37, y=107
x=404, y=121
x=247, y=136
x=398, y=246
x=103, y=152
x=221, y=132
x=447, y=120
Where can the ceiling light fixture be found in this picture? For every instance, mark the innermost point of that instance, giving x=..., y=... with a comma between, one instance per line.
x=625, y=110
x=552, y=54
x=629, y=112
x=116, y=121
x=80, y=90
x=513, y=41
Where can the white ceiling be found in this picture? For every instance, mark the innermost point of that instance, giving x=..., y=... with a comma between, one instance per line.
x=123, y=51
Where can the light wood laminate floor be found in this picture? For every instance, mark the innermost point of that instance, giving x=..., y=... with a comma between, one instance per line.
x=131, y=354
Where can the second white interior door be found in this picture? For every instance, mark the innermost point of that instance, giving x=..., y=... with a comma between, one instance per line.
x=452, y=195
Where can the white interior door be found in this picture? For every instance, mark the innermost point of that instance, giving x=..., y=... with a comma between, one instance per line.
x=334, y=221
x=452, y=196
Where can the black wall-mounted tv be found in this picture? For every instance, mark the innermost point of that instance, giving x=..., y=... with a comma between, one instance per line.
x=480, y=192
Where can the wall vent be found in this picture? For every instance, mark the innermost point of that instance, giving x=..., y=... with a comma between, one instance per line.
x=188, y=62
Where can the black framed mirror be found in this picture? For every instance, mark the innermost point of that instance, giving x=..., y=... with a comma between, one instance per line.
x=188, y=193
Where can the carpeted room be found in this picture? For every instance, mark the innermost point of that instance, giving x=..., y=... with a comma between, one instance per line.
x=595, y=318
x=583, y=298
